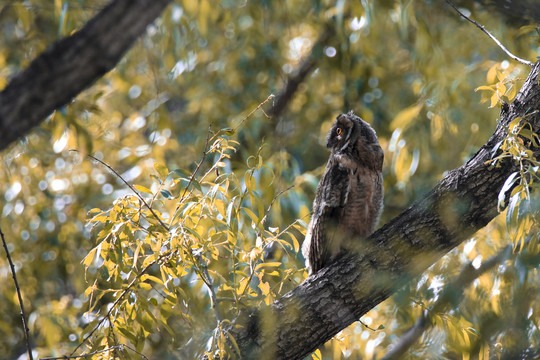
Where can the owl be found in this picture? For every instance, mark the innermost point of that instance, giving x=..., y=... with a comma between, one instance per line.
x=349, y=196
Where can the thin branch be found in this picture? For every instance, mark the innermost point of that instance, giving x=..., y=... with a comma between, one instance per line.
x=208, y=281
x=270, y=97
x=130, y=186
x=447, y=297
x=481, y=27
x=120, y=297
x=272, y=203
x=112, y=348
x=192, y=177
x=206, y=151
x=18, y=290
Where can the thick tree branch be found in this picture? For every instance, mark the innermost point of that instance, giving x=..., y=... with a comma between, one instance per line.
x=60, y=73
x=450, y=296
x=462, y=203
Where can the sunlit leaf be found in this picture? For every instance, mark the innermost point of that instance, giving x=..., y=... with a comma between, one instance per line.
x=143, y=189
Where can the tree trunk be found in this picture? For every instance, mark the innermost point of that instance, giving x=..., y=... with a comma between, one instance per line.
x=462, y=203
x=60, y=73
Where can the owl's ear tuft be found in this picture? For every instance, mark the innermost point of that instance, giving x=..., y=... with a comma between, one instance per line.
x=346, y=120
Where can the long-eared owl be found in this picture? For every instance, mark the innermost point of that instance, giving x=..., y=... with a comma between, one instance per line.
x=349, y=196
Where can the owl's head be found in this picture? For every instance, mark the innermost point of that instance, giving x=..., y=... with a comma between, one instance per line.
x=347, y=130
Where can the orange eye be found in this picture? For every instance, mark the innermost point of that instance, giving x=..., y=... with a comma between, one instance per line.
x=338, y=131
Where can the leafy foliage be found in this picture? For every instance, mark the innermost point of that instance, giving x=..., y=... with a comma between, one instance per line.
x=215, y=251
x=225, y=226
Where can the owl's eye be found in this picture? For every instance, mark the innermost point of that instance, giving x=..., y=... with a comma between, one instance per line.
x=339, y=131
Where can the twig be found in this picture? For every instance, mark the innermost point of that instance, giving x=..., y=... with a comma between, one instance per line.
x=120, y=297
x=481, y=27
x=112, y=348
x=367, y=327
x=130, y=186
x=208, y=281
x=447, y=297
x=192, y=177
x=272, y=203
x=271, y=96
x=18, y=290
x=204, y=153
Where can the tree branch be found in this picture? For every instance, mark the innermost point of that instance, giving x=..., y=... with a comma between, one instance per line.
x=462, y=203
x=55, y=77
x=19, y=296
x=499, y=44
x=300, y=73
x=452, y=292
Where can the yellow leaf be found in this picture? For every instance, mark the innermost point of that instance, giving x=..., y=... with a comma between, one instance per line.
x=242, y=286
x=267, y=264
x=316, y=355
x=250, y=181
x=404, y=118
x=143, y=189
x=90, y=257
x=485, y=87
x=145, y=286
x=161, y=170
x=494, y=100
x=492, y=73
x=265, y=288
x=501, y=88
x=296, y=244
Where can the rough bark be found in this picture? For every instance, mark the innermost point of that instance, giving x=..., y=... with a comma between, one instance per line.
x=462, y=203
x=72, y=64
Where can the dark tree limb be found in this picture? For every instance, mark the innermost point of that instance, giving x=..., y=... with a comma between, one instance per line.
x=300, y=73
x=462, y=203
x=449, y=297
x=55, y=77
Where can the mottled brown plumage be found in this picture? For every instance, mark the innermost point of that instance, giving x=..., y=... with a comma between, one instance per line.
x=350, y=193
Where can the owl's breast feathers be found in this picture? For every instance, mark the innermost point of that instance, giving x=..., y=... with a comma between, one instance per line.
x=349, y=204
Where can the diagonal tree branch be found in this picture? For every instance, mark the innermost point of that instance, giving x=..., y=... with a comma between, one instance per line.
x=462, y=203
x=450, y=295
x=300, y=73
x=55, y=77
x=481, y=27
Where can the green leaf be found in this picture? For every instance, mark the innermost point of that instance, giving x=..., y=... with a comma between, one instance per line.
x=166, y=194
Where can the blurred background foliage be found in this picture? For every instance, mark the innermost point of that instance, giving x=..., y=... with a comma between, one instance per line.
x=408, y=68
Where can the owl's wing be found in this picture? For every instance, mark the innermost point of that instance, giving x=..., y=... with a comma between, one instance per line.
x=332, y=195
